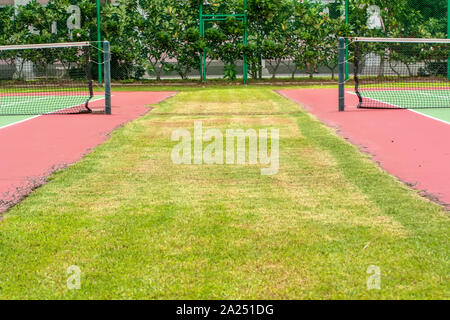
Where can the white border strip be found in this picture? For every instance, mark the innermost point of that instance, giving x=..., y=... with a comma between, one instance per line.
x=45, y=45
x=400, y=40
x=431, y=117
x=18, y=122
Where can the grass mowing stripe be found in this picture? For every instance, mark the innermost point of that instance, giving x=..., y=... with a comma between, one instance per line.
x=139, y=226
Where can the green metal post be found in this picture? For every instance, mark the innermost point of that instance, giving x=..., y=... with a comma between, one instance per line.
x=347, y=9
x=448, y=37
x=341, y=74
x=202, y=33
x=204, y=18
x=245, y=66
x=99, y=42
x=107, y=56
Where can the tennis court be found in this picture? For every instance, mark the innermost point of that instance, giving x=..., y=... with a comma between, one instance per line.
x=399, y=73
x=431, y=103
x=46, y=103
x=50, y=104
x=438, y=114
x=404, y=98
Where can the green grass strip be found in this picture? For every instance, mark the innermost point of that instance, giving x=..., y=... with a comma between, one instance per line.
x=141, y=227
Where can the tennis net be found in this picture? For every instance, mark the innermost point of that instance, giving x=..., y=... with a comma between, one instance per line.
x=45, y=79
x=401, y=73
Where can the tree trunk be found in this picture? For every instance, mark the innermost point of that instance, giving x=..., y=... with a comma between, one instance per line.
x=381, y=69
x=258, y=43
x=409, y=70
x=277, y=65
x=309, y=69
x=295, y=70
x=158, y=73
x=260, y=67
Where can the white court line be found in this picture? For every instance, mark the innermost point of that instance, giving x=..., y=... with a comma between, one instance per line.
x=422, y=93
x=34, y=117
x=403, y=108
x=431, y=117
x=20, y=102
x=432, y=95
x=17, y=122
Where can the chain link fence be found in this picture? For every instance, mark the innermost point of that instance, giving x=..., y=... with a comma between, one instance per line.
x=160, y=40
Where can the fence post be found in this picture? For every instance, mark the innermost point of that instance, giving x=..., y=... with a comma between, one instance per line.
x=347, y=19
x=107, y=77
x=342, y=78
x=99, y=43
x=448, y=37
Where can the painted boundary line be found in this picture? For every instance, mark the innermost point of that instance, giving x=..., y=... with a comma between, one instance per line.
x=37, y=116
x=402, y=108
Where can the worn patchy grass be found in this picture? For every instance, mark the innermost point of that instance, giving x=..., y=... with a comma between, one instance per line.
x=139, y=226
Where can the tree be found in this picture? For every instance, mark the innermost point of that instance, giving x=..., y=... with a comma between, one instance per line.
x=309, y=23
x=281, y=41
x=154, y=27
x=434, y=16
x=399, y=18
x=263, y=16
x=162, y=35
x=276, y=49
x=231, y=49
x=224, y=38
x=118, y=27
x=187, y=52
x=11, y=32
x=333, y=28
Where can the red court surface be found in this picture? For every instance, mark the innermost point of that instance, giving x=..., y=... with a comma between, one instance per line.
x=412, y=147
x=31, y=150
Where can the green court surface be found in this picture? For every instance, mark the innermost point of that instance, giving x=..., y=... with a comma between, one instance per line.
x=14, y=109
x=431, y=103
x=439, y=114
x=9, y=120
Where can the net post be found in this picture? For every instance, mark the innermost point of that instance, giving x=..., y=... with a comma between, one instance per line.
x=342, y=78
x=107, y=76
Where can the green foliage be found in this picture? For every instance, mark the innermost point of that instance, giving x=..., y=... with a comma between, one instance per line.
x=162, y=36
x=252, y=51
x=433, y=14
x=230, y=72
x=187, y=53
